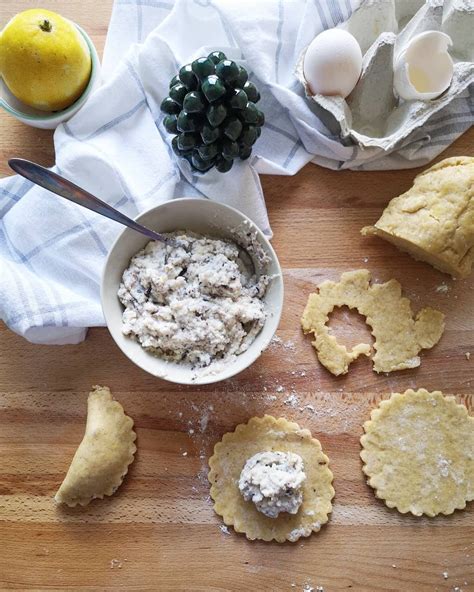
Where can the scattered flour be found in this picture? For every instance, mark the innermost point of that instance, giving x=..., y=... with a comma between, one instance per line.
x=443, y=465
x=442, y=289
x=292, y=400
x=115, y=563
x=205, y=419
x=224, y=529
x=287, y=345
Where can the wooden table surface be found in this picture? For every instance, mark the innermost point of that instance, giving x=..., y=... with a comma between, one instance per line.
x=159, y=531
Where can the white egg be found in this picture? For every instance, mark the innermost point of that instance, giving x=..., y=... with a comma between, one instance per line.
x=333, y=63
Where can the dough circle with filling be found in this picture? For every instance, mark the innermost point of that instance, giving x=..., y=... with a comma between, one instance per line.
x=270, y=434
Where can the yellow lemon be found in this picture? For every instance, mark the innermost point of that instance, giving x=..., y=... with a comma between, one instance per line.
x=44, y=60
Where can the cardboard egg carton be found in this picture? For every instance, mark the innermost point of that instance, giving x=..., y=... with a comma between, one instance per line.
x=372, y=116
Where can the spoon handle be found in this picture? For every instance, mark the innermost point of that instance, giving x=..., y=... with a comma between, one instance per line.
x=61, y=186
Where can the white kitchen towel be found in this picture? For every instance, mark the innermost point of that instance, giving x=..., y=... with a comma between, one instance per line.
x=52, y=252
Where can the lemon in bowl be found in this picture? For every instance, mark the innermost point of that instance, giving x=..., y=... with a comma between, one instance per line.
x=48, y=67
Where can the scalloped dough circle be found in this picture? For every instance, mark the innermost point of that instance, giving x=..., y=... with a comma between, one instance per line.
x=102, y=458
x=398, y=336
x=418, y=452
x=270, y=434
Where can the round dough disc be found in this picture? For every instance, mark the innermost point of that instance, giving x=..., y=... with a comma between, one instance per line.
x=418, y=452
x=269, y=434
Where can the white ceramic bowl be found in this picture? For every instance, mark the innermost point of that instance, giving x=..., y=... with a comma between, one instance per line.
x=204, y=217
x=51, y=119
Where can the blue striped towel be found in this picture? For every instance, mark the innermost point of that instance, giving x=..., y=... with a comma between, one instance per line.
x=52, y=252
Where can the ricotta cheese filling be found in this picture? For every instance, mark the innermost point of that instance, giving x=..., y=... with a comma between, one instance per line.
x=272, y=481
x=195, y=301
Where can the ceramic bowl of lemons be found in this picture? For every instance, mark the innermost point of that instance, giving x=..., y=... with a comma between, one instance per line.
x=66, y=106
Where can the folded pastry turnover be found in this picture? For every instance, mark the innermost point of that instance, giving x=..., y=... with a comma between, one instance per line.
x=102, y=458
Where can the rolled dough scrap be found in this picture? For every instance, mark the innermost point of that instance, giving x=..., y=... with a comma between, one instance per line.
x=102, y=458
x=418, y=452
x=434, y=220
x=398, y=336
x=270, y=434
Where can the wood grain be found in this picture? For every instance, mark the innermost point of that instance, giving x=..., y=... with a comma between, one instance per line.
x=160, y=527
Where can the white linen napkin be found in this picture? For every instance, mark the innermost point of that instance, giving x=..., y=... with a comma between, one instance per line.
x=52, y=252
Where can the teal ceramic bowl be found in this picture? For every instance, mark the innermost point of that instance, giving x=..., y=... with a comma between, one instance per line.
x=51, y=119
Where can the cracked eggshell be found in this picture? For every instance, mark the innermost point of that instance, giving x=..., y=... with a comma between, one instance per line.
x=424, y=69
x=332, y=63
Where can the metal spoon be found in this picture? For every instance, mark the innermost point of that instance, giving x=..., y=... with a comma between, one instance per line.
x=61, y=186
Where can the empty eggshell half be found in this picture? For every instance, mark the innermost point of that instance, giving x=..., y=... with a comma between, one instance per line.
x=332, y=63
x=424, y=70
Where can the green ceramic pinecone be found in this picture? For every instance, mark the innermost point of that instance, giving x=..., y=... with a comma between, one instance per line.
x=211, y=112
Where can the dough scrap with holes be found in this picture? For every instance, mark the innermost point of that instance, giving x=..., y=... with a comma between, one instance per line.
x=418, y=452
x=270, y=434
x=399, y=336
x=102, y=458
